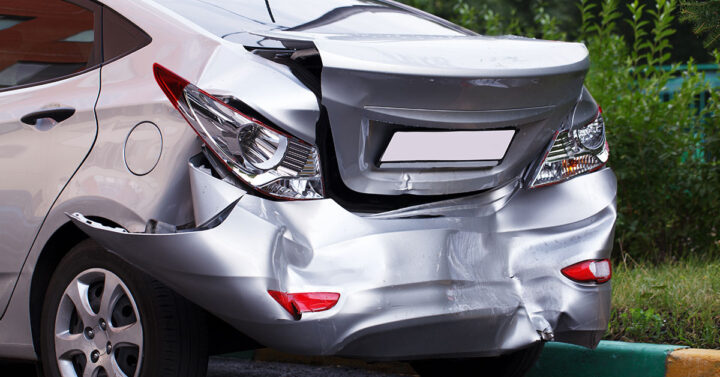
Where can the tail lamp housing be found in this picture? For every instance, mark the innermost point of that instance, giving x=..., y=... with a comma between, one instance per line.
x=266, y=159
x=579, y=150
x=589, y=271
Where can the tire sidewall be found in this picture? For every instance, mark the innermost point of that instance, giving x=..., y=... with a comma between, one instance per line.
x=84, y=256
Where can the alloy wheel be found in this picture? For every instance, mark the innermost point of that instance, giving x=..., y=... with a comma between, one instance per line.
x=98, y=331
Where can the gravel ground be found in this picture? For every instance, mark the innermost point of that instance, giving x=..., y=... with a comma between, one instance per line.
x=228, y=367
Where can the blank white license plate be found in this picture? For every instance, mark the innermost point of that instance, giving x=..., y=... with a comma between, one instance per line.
x=448, y=146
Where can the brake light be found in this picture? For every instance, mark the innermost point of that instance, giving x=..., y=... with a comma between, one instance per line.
x=589, y=271
x=581, y=149
x=171, y=84
x=268, y=160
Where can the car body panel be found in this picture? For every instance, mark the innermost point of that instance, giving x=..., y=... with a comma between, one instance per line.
x=38, y=161
x=479, y=275
x=416, y=79
x=482, y=57
x=269, y=88
x=103, y=186
x=454, y=74
x=476, y=284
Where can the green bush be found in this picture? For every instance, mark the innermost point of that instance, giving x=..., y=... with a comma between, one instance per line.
x=664, y=151
x=705, y=16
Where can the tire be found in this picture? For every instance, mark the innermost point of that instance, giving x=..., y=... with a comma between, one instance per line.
x=515, y=364
x=19, y=368
x=101, y=313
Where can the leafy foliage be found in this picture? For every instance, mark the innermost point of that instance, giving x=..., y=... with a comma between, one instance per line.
x=496, y=17
x=665, y=149
x=705, y=16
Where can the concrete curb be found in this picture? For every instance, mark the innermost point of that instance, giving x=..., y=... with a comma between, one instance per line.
x=619, y=359
x=610, y=359
x=693, y=363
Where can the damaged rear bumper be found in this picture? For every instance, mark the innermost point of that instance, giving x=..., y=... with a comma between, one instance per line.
x=477, y=276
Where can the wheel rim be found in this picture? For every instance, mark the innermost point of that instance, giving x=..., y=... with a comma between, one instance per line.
x=98, y=332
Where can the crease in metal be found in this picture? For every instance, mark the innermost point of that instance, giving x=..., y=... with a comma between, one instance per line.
x=472, y=274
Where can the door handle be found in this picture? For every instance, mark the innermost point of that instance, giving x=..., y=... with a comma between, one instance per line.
x=57, y=114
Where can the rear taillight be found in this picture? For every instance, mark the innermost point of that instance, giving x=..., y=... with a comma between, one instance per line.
x=579, y=150
x=298, y=303
x=589, y=271
x=268, y=160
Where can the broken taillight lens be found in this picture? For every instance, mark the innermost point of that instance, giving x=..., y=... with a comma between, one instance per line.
x=589, y=271
x=298, y=303
x=580, y=150
x=270, y=161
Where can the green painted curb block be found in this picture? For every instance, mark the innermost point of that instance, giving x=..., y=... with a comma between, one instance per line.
x=610, y=359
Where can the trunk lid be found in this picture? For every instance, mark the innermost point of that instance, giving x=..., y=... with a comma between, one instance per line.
x=376, y=86
x=389, y=68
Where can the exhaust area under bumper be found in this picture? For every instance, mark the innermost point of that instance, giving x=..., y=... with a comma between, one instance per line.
x=477, y=276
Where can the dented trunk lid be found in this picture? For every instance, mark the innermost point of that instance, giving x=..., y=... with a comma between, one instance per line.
x=391, y=69
x=455, y=90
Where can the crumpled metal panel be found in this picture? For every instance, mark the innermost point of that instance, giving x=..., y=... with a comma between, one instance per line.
x=210, y=195
x=413, y=283
x=454, y=80
x=279, y=95
x=419, y=83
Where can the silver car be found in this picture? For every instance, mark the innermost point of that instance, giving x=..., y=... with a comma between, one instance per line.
x=357, y=178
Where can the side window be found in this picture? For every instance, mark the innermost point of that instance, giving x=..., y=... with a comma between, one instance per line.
x=120, y=36
x=42, y=40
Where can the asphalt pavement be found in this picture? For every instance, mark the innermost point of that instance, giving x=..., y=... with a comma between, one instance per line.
x=227, y=367
x=230, y=367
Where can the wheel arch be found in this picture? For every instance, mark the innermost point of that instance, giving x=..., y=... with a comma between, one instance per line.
x=223, y=337
x=57, y=246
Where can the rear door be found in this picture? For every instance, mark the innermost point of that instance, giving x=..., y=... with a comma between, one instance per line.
x=49, y=83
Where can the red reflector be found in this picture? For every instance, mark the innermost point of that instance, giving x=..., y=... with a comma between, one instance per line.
x=598, y=271
x=298, y=303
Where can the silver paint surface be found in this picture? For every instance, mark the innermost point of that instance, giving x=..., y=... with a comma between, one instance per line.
x=37, y=162
x=210, y=195
x=476, y=275
x=103, y=187
x=473, y=83
x=480, y=279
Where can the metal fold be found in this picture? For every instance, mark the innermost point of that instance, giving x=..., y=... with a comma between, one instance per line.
x=474, y=279
x=210, y=195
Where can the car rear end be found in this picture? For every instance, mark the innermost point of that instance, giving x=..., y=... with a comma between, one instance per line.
x=385, y=196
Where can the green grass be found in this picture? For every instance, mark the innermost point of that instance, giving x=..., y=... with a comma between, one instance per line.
x=672, y=303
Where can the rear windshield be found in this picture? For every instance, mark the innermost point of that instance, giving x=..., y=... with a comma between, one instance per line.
x=224, y=17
